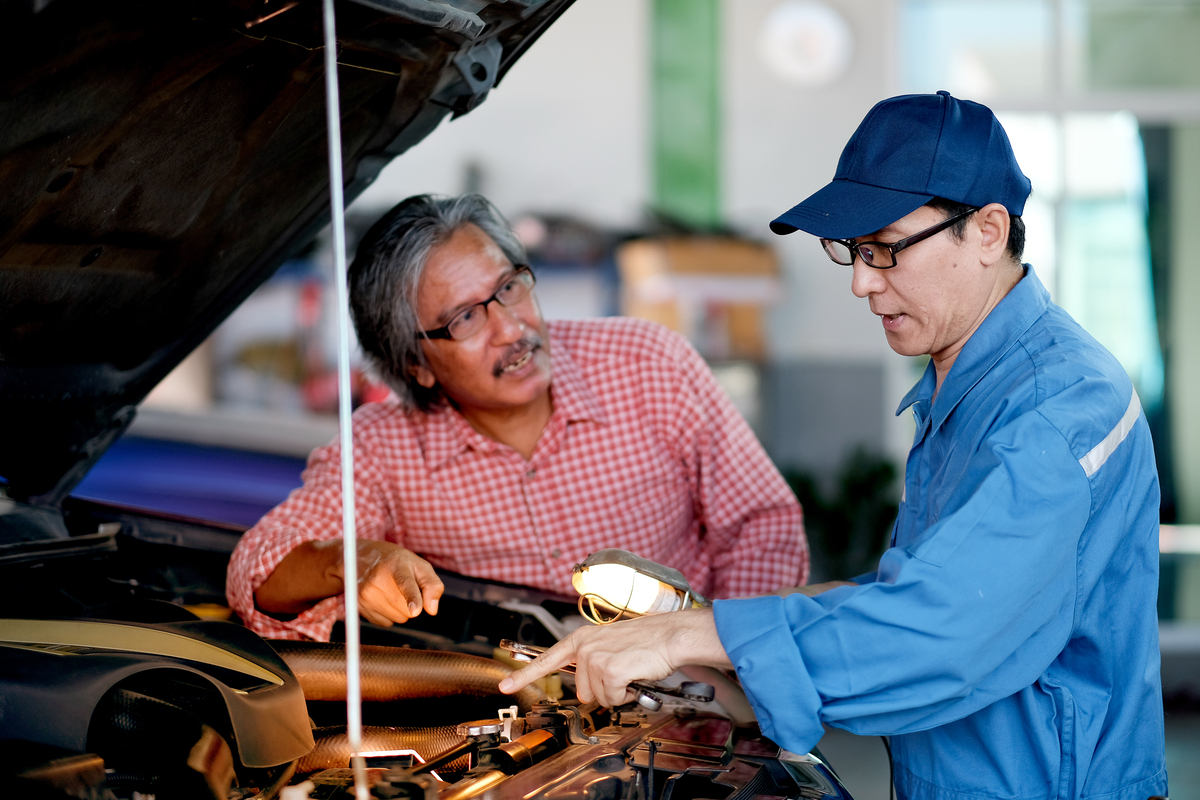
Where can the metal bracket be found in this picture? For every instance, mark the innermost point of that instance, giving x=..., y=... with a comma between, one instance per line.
x=507, y=716
x=480, y=64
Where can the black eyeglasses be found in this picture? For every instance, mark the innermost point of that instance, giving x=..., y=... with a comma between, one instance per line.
x=882, y=255
x=471, y=319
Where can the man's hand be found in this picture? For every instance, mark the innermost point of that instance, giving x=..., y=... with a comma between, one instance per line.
x=394, y=583
x=608, y=657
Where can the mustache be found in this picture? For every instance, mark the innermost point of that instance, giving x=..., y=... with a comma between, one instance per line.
x=528, y=342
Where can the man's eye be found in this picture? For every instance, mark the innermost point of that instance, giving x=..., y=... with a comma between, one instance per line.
x=468, y=315
x=507, y=288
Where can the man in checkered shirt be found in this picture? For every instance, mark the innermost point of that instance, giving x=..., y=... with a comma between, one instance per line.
x=514, y=447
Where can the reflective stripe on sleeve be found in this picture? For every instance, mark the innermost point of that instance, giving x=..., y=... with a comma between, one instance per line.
x=1100, y=453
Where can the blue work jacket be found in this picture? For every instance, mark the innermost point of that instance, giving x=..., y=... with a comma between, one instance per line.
x=1008, y=642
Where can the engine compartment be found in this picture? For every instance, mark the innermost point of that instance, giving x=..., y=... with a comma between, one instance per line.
x=113, y=688
x=546, y=748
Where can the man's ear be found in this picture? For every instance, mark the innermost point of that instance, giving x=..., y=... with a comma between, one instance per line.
x=993, y=224
x=424, y=376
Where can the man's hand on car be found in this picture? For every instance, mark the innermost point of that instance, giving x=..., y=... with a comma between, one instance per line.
x=608, y=657
x=394, y=583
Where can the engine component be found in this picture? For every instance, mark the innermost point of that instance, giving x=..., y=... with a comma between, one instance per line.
x=29, y=769
x=333, y=746
x=234, y=680
x=394, y=673
x=525, y=751
x=642, y=756
x=497, y=761
x=146, y=741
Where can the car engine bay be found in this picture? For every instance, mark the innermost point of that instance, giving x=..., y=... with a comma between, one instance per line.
x=120, y=691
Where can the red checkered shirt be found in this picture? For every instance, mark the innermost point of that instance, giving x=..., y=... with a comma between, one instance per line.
x=643, y=451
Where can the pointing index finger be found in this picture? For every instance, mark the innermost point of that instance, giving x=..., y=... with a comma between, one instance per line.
x=553, y=660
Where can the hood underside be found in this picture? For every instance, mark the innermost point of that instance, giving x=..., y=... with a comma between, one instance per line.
x=161, y=160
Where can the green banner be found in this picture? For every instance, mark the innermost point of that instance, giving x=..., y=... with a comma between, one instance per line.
x=686, y=110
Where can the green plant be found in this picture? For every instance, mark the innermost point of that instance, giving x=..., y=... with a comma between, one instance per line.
x=848, y=527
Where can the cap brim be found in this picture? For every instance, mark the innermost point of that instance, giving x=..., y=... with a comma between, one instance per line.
x=846, y=209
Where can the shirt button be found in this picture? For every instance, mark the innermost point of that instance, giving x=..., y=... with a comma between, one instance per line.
x=556, y=553
x=530, y=473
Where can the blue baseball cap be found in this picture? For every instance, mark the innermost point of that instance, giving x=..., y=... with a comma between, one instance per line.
x=907, y=151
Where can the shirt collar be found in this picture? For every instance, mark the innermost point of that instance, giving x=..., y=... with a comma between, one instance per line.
x=1006, y=323
x=445, y=437
x=921, y=391
x=574, y=399
x=447, y=432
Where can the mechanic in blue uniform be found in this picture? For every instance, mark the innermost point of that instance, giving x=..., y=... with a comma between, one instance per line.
x=1008, y=642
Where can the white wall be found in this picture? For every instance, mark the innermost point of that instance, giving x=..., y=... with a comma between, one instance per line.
x=781, y=144
x=565, y=130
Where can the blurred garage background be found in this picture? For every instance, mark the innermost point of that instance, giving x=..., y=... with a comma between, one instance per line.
x=642, y=146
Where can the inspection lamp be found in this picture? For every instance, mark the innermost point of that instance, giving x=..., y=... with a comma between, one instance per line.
x=615, y=583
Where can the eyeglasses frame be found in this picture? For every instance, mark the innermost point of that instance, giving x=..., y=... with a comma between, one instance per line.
x=894, y=247
x=444, y=331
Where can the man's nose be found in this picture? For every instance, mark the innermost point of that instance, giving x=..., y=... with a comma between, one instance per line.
x=866, y=280
x=506, y=324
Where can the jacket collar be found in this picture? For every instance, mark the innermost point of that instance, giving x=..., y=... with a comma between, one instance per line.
x=1002, y=328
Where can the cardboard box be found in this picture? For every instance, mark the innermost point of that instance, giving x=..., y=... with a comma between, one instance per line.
x=713, y=290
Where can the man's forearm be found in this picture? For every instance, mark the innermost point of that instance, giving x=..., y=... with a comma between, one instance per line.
x=394, y=583
x=308, y=574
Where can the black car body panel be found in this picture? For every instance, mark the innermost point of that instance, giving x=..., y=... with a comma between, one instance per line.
x=161, y=160
x=53, y=674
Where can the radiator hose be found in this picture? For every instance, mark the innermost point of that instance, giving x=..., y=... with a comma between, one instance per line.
x=398, y=673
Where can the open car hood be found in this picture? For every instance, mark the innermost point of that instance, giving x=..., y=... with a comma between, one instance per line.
x=161, y=160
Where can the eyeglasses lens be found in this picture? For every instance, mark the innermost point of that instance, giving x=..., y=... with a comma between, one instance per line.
x=472, y=319
x=838, y=251
x=875, y=256
x=515, y=290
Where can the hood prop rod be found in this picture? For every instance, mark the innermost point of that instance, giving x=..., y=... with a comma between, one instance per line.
x=337, y=212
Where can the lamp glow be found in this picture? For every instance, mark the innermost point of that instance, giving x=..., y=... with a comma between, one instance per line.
x=622, y=587
x=626, y=584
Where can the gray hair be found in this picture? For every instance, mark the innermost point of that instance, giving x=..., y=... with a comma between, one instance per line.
x=387, y=269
